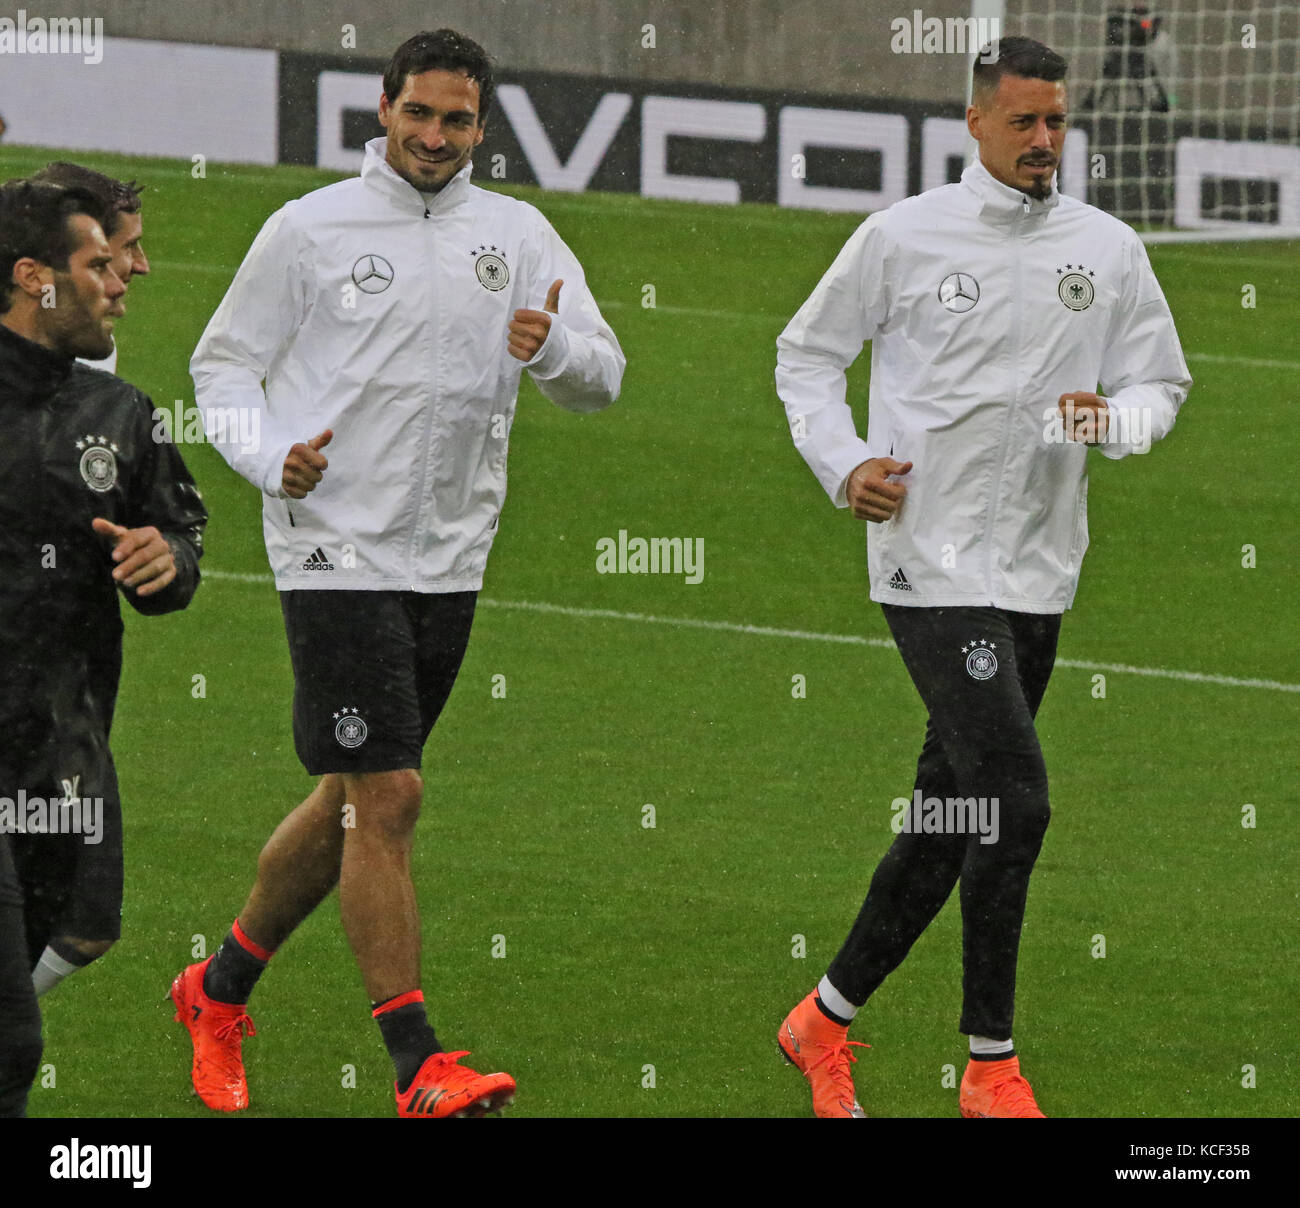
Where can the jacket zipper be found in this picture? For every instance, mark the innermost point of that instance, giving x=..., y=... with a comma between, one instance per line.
x=1012, y=406
x=422, y=499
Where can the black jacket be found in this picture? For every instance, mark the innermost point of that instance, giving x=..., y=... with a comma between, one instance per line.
x=75, y=443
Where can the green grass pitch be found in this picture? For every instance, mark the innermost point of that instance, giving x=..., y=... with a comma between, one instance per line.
x=680, y=947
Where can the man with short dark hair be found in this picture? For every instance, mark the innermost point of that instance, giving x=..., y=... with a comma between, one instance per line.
x=123, y=224
x=390, y=315
x=90, y=504
x=995, y=307
x=118, y=205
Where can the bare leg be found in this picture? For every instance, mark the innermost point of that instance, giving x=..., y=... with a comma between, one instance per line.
x=298, y=866
x=376, y=895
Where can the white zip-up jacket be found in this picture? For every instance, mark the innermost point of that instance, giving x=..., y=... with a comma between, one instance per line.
x=383, y=318
x=983, y=306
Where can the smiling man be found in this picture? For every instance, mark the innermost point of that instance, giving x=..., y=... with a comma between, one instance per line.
x=391, y=317
x=995, y=308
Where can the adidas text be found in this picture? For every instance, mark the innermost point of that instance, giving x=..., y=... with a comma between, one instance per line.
x=317, y=561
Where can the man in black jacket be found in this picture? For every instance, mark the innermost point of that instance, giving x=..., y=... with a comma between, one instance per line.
x=120, y=217
x=91, y=503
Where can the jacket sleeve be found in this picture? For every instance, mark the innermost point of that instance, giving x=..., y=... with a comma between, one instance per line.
x=580, y=365
x=260, y=313
x=823, y=339
x=163, y=494
x=1143, y=374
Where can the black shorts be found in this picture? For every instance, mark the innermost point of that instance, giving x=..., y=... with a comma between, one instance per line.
x=72, y=882
x=372, y=671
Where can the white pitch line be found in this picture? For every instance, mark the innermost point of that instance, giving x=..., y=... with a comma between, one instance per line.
x=1253, y=362
x=234, y=576
x=694, y=312
x=803, y=635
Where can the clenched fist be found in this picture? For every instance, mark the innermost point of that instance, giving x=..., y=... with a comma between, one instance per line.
x=1084, y=416
x=870, y=493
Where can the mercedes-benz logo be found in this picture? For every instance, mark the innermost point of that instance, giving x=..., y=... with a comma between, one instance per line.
x=958, y=292
x=372, y=274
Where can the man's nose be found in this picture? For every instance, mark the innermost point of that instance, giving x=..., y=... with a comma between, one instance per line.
x=140, y=264
x=432, y=137
x=114, y=286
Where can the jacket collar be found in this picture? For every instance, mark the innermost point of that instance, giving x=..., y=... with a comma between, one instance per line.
x=28, y=369
x=378, y=174
x=1001, y=204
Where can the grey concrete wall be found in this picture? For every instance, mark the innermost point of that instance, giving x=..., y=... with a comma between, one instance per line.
x=829, y=46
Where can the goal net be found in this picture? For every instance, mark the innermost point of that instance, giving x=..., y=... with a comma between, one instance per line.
x=1185, y=114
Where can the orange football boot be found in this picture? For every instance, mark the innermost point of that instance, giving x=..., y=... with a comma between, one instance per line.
x=443, y=1087
x=820, y=1049
x=995, y=1090
x=217, y=1030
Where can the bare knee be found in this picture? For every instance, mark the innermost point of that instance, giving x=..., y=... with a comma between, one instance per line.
x=90, y=950
x=387, y=803
x=331, y=791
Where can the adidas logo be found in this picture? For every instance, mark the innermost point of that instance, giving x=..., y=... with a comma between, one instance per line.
x=318, y=561
x=898, y=581
x=430, y=1099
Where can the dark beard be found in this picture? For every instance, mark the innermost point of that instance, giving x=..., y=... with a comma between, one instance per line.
x=1041, y=189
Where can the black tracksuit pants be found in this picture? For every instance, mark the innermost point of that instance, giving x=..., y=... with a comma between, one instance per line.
x=981, y=673
x=20, y=1017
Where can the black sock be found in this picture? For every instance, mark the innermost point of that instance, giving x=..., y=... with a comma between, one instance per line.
x=233, y=972
x=825, y=1010
x=409, y=1039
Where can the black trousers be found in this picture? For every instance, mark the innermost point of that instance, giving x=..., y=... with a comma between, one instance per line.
x=981, y=673
x=20, y=1017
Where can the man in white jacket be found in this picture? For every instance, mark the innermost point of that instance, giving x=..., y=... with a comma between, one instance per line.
x=391, y=316
x=995, y=307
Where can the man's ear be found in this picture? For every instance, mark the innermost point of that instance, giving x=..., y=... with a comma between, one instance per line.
x=383, y=110
x=31, y=276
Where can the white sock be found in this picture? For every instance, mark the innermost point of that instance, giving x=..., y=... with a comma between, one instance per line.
x=50, y=970
x=834, y=1001
x=985, y=1047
